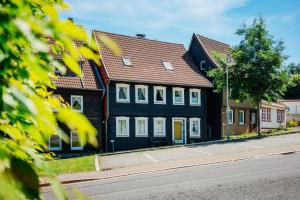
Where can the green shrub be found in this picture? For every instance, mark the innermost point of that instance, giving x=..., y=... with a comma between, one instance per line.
x=292, y=123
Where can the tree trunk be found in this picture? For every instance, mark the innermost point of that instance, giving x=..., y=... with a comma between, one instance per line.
x=258, y=119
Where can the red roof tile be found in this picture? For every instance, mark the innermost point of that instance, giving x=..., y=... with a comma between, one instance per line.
x=146, y=57
x=210, y=46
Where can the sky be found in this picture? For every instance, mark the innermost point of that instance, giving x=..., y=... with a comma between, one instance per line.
x=176, y=20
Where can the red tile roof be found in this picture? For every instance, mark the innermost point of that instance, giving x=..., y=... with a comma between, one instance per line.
x=210, y=46
x=146, y=57
x=89, y=79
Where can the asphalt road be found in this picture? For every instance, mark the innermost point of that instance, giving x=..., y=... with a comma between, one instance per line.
x=274, y=177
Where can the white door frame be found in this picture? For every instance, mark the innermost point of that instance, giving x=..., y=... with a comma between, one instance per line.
x=184, y=122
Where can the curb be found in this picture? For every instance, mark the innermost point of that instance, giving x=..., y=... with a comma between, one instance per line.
x=172, y=168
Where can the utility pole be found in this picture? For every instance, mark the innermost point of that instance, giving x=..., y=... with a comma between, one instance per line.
x=227, y=97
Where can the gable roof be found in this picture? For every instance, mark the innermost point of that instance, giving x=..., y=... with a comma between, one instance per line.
x=278, y=104
x=146, y=57
x=210, y=46
x=90, y=80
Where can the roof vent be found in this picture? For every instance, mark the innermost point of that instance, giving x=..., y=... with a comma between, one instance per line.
x=139, y=35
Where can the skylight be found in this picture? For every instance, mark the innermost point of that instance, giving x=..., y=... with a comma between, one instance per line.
x=126, y=61
x=167, y=65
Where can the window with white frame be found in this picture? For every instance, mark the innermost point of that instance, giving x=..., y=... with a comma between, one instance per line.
x=122, y=93
x=126, y=61
x=167, y=65
x=159, y=95
x=141, y=127
x=54, y=143
x=195, y=127
x=76, y=144
x=241, y=117
x=159, y=127
x=141, y=94
x=77, y=103
x=195, y=97
x=178, y=96
x=231, y=116
x=122, y=126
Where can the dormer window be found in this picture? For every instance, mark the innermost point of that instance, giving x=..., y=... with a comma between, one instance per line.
x=126, y=62
x=167, y=65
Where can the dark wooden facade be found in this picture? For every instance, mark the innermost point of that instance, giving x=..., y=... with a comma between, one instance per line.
x=92, y=109
x=150, y=110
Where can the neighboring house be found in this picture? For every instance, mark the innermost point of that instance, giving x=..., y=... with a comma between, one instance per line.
x=84, y=95
x=155, y=94
x=242, y=115
x=272, y=115
x=293, y=113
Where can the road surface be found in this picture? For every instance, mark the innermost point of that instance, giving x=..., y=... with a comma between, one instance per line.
x=273, y=177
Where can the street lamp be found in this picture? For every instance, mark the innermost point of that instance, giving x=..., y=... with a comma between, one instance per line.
x=229, y=60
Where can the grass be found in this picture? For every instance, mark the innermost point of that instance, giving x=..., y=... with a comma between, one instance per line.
x=71, y=165
x=273, y=132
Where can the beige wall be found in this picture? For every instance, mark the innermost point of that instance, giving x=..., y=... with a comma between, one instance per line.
x=291, y=117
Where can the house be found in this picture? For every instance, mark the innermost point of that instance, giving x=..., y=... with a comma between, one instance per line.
x=84, y=95
x=293, y=112
x=156, y=95
x=272, y=115
x=242, y=115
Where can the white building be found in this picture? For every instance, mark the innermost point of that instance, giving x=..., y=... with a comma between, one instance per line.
x=272, y=115
x=293, y=112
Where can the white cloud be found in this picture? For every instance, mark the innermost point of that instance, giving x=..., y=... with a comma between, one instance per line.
x=207, y=16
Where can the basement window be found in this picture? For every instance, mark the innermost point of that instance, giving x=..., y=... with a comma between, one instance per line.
x=167, y=65
x=126, y=61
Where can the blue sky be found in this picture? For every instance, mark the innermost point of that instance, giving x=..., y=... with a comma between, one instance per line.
x=176, y=20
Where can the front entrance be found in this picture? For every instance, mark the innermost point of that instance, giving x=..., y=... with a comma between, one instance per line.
x=179, y=130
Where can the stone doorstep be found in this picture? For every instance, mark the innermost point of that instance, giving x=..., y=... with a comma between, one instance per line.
x=169, y=165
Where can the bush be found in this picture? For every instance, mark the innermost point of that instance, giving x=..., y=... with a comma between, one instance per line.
x=292, y=123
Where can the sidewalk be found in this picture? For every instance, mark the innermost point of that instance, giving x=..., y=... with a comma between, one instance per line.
x=165, y=159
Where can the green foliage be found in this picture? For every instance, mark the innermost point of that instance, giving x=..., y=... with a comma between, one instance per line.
x=292, y=123
x=293, y=68
x=257, y=69
x=27, y=119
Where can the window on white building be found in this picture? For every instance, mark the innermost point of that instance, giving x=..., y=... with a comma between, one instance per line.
x=141, y=127
x=122, y=93
x=122, y=126
x=195, y=127
x=159, y=127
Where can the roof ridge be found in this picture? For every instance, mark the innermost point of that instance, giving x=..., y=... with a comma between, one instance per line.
x=134, y=37
x=213, y=39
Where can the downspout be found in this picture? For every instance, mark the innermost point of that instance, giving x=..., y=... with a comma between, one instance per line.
x=107, y=114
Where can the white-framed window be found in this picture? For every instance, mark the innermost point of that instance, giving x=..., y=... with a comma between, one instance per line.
x=141, y=127
x=126, y=61
x=77, y=103
x=231, y=116
x=122, y=126
x=195, y=127
x=54, y=143
x=241, y=117
x=178, y=96
x=167, y=65
x=141, y=94
x=159, y=95
x=76, y=144
x=195, y=97
x=123, y=93
x=159, y=127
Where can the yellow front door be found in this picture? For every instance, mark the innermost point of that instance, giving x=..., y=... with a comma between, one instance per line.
x=177, y=131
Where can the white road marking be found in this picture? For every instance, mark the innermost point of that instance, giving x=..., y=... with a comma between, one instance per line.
x=150, y=157
x=97, y=163
x=203, y=152
x=250, y=145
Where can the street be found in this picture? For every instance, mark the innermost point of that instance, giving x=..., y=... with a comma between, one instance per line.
x=269, y=177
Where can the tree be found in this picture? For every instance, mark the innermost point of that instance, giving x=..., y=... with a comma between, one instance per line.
x=293, y=68
x=27, y=119
x=256, y=72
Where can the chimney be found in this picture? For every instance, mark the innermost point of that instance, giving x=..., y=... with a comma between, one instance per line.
x=71, y=19
x=141, y=36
